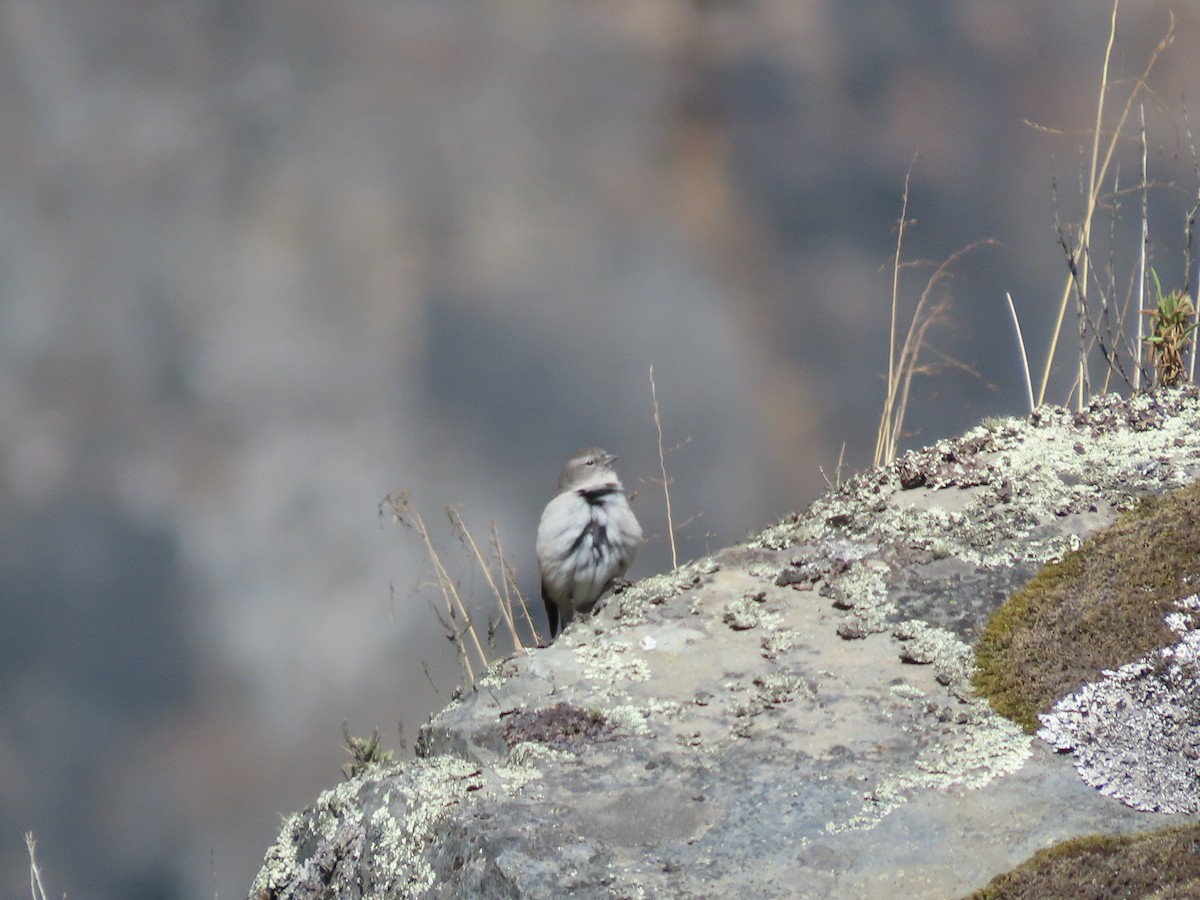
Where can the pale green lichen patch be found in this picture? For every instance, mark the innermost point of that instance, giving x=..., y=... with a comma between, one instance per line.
x=861, y=586
x=745, y=612
x=395, y=817
x=633, y=603
x=635, y=718
x=862, y=591
x=530, y=754
x=762, y=571
x=778, y=641
x=951, y=659
x=973, y=747
x=279, y=865
x=1053, y=465
x=967, y=746
x=526, y=764
x=778, y=537
x=907, y=691
x=501, y=670
x=609, y=661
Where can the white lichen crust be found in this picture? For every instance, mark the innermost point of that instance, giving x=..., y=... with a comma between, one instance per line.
x=1134, y=733
x=370, y=846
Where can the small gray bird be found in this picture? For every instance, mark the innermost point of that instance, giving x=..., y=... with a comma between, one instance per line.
x=587, y=538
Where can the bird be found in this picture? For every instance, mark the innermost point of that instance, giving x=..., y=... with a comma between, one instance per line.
x=587, y=537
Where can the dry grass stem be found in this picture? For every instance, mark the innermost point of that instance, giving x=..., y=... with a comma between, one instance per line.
x=1195, y=342
x=1189, y=235
x=662, y=464
x=505, y=601
x=511, y=590
x=1092, y=192
x=883, y=451
x=1079, y=250
x=1141, y=288
x=1024, y=356
x=456, y=619
x=503, y=597
x=906, y=364
x=836, y=484
x=408, y=515
x=36, y=888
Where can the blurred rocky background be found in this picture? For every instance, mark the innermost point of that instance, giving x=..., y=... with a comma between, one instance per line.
x=264, y=261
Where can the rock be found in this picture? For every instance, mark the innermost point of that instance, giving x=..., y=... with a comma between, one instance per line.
x=710, y=730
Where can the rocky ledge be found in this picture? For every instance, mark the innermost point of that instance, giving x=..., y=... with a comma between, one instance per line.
x=792, y=717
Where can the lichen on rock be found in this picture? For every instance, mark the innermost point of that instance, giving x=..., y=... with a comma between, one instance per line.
x=1135, y=732
x=711, y=730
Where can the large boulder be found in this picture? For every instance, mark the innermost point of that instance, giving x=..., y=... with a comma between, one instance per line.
x=792, y=717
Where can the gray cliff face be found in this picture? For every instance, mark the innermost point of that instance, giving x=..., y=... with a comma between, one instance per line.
x=791, y=717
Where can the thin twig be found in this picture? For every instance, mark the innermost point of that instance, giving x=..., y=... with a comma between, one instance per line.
x=36, y=888
x=1141, y=288
x=1190, y=286
x=907, y=363
x=1125, y=348
x=404, y=512
x=1096, y=176
x=510, y=588
x=453, y=601
x=510, y=580
x=662, y=463
x=456, y=522
x=1085, y=233
x=1108, y=290
x=1024, y=356
x=884, y=448
x=836, y=484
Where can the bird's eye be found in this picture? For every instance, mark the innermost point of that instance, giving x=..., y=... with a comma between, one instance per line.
x=590, y=461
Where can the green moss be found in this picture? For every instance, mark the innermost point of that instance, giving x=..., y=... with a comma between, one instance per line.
x=1098, y=608
x=1163, y=863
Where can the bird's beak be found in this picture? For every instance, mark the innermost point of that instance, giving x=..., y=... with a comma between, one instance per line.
x=609, y=459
